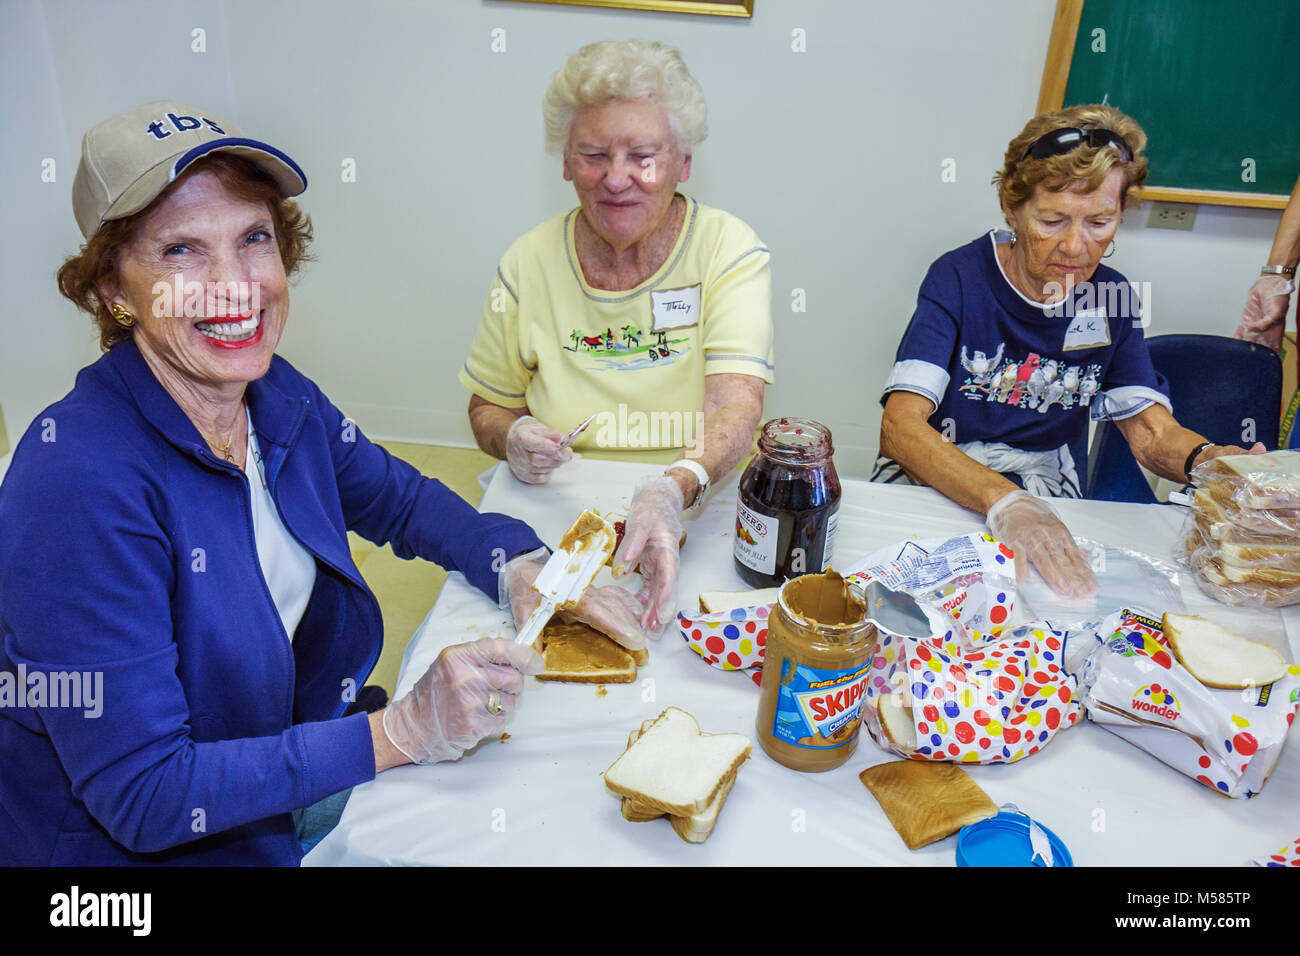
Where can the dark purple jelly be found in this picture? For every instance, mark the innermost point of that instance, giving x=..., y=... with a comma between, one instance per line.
x=788, y=504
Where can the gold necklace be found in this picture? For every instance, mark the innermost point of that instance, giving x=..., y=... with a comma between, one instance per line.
x=223, y=449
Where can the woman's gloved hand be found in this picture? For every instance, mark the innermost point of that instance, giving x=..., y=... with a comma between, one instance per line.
x=652, y=538
x=611, y=609
x=446, y=713
x=1031, y=528
x=533, y=451
x=1263, y=320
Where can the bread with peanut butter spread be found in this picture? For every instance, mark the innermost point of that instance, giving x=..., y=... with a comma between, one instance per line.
x=578, y=653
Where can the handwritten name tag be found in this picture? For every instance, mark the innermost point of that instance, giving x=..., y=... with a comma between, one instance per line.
x=1088, y=329
x=675, y=308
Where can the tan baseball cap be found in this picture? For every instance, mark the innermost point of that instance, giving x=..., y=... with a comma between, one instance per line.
x=128, y=159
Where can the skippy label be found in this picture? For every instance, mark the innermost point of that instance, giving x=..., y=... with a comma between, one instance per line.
x=756, y=535
x=818, y=708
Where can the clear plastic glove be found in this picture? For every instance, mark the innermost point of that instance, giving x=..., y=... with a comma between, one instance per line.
x=652, y=539
x=610, y=609
x=1263, y=320
x=1031, y=528
x=533, y=451
x=446, y=713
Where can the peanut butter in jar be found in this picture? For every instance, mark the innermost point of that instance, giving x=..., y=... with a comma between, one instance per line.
x=815, y=673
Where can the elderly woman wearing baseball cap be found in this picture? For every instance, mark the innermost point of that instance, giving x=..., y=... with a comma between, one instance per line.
x=173, y=538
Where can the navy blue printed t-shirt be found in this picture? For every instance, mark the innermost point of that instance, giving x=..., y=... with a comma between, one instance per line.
x=1000, y=367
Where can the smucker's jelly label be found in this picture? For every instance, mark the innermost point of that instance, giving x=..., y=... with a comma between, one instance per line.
x=756, y=537
x=819, y=708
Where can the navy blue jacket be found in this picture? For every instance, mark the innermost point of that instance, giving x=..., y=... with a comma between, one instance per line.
x=127, y=557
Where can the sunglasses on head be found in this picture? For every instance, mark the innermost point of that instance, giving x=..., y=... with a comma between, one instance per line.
x=1061, y=141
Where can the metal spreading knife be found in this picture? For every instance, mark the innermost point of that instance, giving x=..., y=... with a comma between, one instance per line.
x=583, y=551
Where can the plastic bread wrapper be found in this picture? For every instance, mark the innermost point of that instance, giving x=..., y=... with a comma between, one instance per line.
x=1254, y=553
x=734, y=640
x=1287, y=855
x=975, y=690
x=1259, y=482
x=1227, y=522
x=1125, y=578
x=1229, y=583
x=1229, y=740
x=997, y=700
x=966, y=584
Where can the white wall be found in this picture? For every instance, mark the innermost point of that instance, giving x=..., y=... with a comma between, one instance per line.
x=833, y=155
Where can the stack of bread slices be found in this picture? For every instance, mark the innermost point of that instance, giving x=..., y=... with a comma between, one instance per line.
x=671, y=769
x=1243, y=537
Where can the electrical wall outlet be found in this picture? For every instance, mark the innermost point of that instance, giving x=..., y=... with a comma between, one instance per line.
x=1172, y=215
x=4, y=436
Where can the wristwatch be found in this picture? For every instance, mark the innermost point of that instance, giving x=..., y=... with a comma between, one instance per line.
x=695, y=468
x=1272, y=270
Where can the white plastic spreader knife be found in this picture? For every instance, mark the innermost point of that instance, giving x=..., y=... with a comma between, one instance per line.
x=583, y=550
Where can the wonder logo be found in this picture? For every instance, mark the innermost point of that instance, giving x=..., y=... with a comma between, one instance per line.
x=1157, y=700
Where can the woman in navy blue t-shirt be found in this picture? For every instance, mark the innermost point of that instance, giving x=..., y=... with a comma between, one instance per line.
x=1021, y=335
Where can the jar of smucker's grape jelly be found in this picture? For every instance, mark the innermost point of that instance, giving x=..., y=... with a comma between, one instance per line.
x=788, y=503
x=815, y=672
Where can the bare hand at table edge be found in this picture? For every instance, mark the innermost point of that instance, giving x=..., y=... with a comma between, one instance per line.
x=446, y=713
x=1219, y=451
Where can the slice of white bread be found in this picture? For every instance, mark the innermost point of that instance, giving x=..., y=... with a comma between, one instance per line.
x=1217, y=657
x=897, y=722
x=715, y=602
x=578, y=653
x=693, y=829
x=1210, y=574
x=1230, y=573
x=674, y=768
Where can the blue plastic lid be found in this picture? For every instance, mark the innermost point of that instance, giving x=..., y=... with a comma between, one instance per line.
x=1004, y=840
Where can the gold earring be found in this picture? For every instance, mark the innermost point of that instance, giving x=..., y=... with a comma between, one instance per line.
x=123, y=317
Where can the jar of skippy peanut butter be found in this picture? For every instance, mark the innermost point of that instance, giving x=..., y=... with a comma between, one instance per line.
x=815, y=671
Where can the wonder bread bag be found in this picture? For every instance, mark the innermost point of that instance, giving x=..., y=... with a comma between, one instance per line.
x=1133, y=684
x=973, y=691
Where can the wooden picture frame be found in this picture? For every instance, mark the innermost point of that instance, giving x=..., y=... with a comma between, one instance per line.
x=717, y=8
x=1051, y=96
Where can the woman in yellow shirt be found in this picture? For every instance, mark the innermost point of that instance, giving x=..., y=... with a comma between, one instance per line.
x=642, y=307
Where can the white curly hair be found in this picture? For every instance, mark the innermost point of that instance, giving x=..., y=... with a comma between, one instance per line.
x=625, y=70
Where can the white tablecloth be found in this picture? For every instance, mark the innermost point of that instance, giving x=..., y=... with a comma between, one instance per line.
x=538, y=797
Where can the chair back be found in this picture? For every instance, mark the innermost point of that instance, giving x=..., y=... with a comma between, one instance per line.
x=1228, y=390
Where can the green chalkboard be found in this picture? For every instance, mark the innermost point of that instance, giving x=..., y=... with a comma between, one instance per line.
x=1213, y=83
